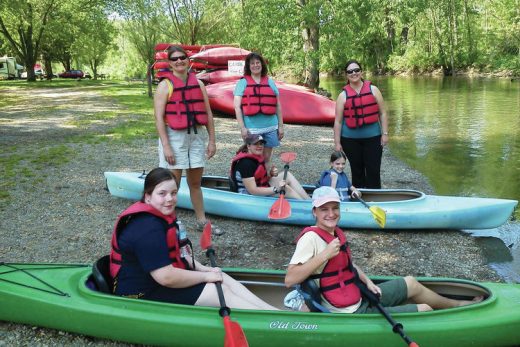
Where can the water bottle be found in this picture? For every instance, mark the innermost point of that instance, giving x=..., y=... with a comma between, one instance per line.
x=183, y=240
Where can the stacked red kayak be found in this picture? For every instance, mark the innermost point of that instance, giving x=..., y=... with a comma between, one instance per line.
x=212, y=60
x=299, y=104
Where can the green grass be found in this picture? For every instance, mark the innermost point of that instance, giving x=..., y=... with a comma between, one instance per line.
x=131, y=118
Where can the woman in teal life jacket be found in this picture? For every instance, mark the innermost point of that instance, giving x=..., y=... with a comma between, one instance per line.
x=257, y=105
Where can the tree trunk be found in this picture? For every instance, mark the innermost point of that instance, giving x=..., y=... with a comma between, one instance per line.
x=311, y=46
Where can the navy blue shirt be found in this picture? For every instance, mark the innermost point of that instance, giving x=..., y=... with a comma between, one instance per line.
x=144, y=249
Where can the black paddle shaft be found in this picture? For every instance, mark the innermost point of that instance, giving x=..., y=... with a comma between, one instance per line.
x=374, y=300
x=285, y=170
x=224, y=310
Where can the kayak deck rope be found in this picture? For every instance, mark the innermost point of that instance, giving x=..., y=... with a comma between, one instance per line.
x=54, y=290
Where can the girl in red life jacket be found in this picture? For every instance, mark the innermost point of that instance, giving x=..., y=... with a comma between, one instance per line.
x=250, y=176
x=361, y=127
x=323, y=249
x=146, y=262
x=182, y=118
x=257, y=105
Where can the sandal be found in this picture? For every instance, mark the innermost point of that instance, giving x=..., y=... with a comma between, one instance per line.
x=214, y=229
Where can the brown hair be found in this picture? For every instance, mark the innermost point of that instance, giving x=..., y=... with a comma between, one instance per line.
x=154, y=178
x=257, y=56
x=173, y=49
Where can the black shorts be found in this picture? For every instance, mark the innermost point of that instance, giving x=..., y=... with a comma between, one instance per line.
x=184, y=296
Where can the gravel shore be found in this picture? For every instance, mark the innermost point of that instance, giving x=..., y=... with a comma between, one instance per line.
x=67, y=216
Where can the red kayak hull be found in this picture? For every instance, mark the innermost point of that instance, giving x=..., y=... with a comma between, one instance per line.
x=221, y=55
x=299, y=106
x=217, y=76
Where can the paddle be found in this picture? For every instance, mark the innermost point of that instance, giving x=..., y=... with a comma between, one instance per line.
x=235, y=336
x=377, y=212
x=281, y=208
x=374, y=300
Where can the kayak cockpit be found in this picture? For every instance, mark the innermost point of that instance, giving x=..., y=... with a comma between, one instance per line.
x=370, y=195
x=270, y=287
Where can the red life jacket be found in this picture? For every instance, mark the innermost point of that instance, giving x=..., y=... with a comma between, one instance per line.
x=116, y=256
x=258, y=97
x=261, y=178
x=362, y=108
x=338, y=276
x=185, y=108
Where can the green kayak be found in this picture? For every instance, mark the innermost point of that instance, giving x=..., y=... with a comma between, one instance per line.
x=64, y=297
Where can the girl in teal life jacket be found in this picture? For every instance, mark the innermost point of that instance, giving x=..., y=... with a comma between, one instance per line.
x=336, y=178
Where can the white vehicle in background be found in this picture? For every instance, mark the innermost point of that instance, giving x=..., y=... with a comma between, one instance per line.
x=9, y=69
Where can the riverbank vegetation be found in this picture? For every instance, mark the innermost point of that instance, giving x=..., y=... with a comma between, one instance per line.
x=300, y=38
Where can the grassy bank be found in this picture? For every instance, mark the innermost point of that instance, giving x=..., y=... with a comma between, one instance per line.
x=116, y=111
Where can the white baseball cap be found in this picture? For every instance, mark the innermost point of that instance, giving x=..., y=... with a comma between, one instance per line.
x=324, y=194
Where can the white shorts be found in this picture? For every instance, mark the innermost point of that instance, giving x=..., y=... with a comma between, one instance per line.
x=189, y=149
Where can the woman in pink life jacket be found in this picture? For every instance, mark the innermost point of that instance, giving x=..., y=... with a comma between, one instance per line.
x=361, y=127
x=249, y=173
x=148, y=261
x=184, y=121
x=323, y=254
x=257, y=105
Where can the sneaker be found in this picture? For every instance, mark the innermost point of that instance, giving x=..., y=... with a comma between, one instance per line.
x=214, y=229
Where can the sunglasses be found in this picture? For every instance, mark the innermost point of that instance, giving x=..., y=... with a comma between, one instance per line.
x=356, y=70
x=182, y=57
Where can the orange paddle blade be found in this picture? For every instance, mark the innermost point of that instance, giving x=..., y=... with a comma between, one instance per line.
x=205, y=239
x=287, y=157
x=281, y=209
x=235, y=336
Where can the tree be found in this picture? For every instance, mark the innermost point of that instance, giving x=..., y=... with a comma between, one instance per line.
x=93, y=45
x=23, y=24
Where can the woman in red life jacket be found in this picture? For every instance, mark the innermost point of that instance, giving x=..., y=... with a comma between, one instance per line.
x=148, y=261
x=323, y=254
x=257, y=105
x=250, y=176
x=181, y=111
x=361, y=127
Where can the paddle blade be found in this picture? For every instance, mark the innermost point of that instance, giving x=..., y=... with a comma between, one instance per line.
x=287, y=157
x=235, y=336
x=205, y=239
x=281, y=209
x=379, y=215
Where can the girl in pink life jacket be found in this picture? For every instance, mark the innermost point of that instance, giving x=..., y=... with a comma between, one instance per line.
x=250, y=175
x=184, y=122
x=145, y=261
x=323, y=254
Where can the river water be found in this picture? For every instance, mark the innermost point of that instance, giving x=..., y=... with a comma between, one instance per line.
x=464, y=135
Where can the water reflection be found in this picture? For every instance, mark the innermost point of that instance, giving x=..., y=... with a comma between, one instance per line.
x=462, y=133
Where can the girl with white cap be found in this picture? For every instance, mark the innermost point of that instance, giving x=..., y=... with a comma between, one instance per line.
x=323, y=254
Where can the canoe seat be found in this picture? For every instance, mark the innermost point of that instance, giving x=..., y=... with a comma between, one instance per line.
x=312, y=295
x=101, y=275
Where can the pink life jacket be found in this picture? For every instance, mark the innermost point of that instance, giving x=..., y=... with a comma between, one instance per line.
x=258, y=97
x=185, y=108
x=116, y=256
x=362, y=108
x=338, y=276
x=261, y=178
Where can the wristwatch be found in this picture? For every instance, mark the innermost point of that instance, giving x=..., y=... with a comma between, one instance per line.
x=275, y=190
x=385, y=133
